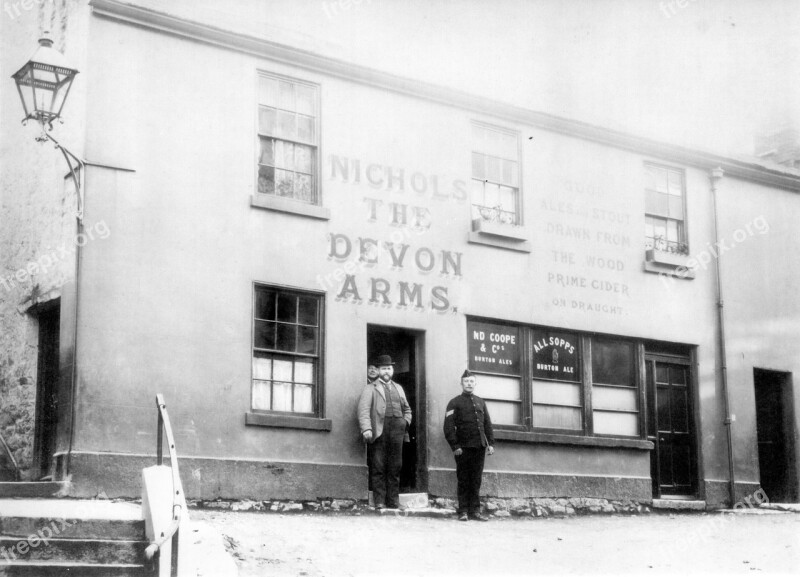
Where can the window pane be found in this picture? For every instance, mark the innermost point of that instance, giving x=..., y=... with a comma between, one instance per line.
x=287, y=125
x=672, y=231
x=265, y=305
x=264, y=335
x=624, y=424
x=262, y=368
x=267, y=151
x=614, y=399
x=476, y=191
x=510, y=173
x=501, y=388
x=285, y=155
x=650, y=178
x=284, y=183
x=305, y=129
x=556, y=417
x=612, y=363
x=676, y=207
x=304, y=373
x=302, y=187
x=306, y=98
x=661, y=180
x=491, y=195
x=478, y=166
x=675, y=183
x=287, y=308
x=302, y=158
x=508, y=199
x=268, y=91
x=656, y=203
x=266, y=180
x=648, y=227
x=662, y=373
x=261, y=395
x=287, y=338
x=302, y=399
x=286, y=95
x=678, y=375
x=307, y=343
x=508, y=146
x=308, y=311
x=282, y=370
x=493, y=170
x=659, y=228
x=504, y=413
x=556, y=393
x=266, y=120
x=281, y=396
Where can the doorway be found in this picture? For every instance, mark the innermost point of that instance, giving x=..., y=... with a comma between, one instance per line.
x=407, y=349
x=673, y=464
x=775, y=432
x=44, y=443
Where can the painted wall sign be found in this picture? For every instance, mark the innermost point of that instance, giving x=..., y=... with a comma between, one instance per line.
x=555, y=356
x=493, y=348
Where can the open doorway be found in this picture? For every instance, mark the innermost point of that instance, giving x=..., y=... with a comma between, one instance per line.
x=47, y=390
x=406, y=347
x=775, y=431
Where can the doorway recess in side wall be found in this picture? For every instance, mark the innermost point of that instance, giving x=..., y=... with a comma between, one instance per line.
x=775, y=430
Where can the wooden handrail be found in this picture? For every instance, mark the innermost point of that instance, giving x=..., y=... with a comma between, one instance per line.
x=154, y=548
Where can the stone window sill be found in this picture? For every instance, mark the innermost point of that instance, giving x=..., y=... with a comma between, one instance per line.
x=278, y=204
x=499, y=235
x=608, y=442
x=671, y=264
x=287, y=422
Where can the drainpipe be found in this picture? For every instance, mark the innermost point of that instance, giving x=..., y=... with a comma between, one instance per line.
x=715, y=176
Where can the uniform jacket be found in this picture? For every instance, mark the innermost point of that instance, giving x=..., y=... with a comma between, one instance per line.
x=372, y=408
x=467, y=423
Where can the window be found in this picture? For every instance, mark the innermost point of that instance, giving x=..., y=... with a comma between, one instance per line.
x=664, y=210
x=615, y=403
x=286, y=351
x=555, y=382
x=494, y=353
x=495, y=175
x=288, y=137
x=556, y=395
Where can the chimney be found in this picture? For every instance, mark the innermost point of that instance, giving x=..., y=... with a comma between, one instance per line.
x=781, y=144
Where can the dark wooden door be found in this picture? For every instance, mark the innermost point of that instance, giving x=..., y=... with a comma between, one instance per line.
x=673, y=465
x=47, y=390
x=774, y=460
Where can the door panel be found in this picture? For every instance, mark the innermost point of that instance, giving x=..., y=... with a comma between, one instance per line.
x=674, y=466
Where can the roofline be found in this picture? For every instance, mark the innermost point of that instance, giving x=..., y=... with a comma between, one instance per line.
x=144, y=17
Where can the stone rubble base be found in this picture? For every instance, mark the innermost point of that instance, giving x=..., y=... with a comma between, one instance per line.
x=539, y=507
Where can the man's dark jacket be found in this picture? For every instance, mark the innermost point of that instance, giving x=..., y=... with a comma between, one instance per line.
x=467, y=423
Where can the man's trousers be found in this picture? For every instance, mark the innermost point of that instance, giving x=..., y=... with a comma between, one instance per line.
x=386, y=460
x=469, y=470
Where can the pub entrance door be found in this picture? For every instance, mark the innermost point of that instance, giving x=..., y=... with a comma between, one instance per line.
x=671, y=427
x=775, y=432
x=407, y=349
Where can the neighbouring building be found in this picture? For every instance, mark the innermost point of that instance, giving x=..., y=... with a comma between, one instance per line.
x=261, y=220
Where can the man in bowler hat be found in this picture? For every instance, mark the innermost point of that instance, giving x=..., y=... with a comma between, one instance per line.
x=468, y=430
x=384, y=416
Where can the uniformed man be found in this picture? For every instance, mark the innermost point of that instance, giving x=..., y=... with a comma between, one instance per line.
x=468, y=430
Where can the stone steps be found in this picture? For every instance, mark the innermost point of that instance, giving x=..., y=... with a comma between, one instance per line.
x=32, y=489
x=71, y=537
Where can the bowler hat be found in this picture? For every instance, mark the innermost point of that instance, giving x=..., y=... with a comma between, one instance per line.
x=383, y=360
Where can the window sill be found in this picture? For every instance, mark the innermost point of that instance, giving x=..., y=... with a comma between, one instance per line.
x=506, y=236
x=287, y=422
x=668, y=263
x=297, y=207
x=609, y=442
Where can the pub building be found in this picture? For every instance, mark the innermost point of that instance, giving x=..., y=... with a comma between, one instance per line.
x=278, y=217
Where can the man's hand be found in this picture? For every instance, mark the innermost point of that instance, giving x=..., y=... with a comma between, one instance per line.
x=458, y=452
x=491, y=450
x=367, y=436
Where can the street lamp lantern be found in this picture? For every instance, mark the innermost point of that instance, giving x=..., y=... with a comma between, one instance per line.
x=43, y=83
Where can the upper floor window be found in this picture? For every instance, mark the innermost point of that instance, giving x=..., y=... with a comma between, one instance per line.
x=288, y=138
x=286, y=351
x=665, y=229
x=495, y=175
